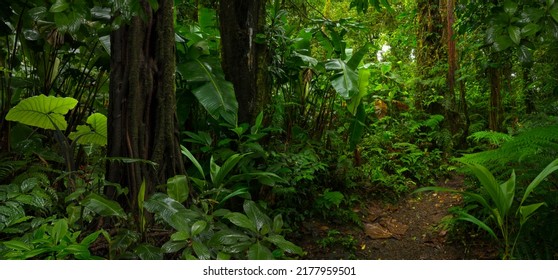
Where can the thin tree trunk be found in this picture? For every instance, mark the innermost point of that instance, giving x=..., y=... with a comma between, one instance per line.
x=494, y=118
x=142, y=108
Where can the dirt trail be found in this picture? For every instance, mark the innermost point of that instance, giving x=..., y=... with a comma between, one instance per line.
x=416, y=228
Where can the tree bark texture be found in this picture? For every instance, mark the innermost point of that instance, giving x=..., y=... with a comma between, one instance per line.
x=495, y=102
x=142, y=108
x=244, y=61
x=435, y=45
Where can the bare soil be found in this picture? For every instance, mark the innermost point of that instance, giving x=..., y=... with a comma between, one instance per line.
x=417, y=227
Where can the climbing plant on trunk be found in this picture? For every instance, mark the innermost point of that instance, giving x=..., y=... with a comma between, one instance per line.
x=142, y=116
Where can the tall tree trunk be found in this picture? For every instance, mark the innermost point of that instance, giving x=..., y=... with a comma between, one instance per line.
x=436, y=44
x=244, y=61
x=142, y=108
x=494, y=109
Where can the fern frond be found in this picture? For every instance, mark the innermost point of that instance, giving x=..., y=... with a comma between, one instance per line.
x=8, y=167
x=493, y=138
x=528, y=150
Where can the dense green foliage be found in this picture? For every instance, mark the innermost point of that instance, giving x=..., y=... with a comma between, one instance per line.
x=366, y=103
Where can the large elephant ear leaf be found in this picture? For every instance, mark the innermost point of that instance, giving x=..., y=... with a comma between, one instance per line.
x=95, y=132
x=42, y=111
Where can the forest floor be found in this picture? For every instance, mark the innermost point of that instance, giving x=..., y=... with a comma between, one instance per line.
x=417, y=227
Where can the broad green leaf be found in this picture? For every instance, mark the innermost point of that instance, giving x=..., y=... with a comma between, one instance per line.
x=510, y=6
x=508, y=193
x=345, y=79
x=194, y=161
x=178, y=188
x=180, y=236
x=198, y=227
x=469, y=218
x=259, y=252
x=141, y=195
x=103, y=206
x=222, y=172
x=214, y=93
x=489, y=184
x=278, y=224
x=42, y=111
x=88, y=240
x=287, y=246
x=357, y=57
x=213, y=171
x=171, y=211
x=530, y=29
x=228, y=237
x=59, y=6
x=173, y=246
x=149, y=252
x=363, y=82
x=93, y=133
x=549, y=169
x=238, y=192
x=528, y=210
x=202, y=252
x=258, y=218
x=554, y=12
x=223, y=256
x=357, y=127
x=241, y=220
x=38, y=13
x=59, y=230
x=502, y=42
x=257, y=124
x=16, y=245
x=515, y=34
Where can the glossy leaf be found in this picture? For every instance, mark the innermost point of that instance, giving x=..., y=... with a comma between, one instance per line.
x=42, y=111
x=103, y=206
x=554, y=11
x=278, y=224
x=59, y=6
x=171, y=211
x=198, y=227
x=173, y=246
x=258, y=218
x=214, y=93
x=202, y=252
x=345, y=80
x=515, y=34
x=287, y=246
x=218, y=174
x=16, y=245
x=530, y=29
x=259, y=252
x=178, y=188
x=194, y=161
x=59, y=230
x=228, y=237
x=149, y=252
x=88, y=240
x=510, y=6
x=241, y=220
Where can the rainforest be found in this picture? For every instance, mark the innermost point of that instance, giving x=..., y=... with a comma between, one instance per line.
x=278, y=129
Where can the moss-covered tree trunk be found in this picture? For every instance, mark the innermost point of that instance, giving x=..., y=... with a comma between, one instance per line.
x=244, y=61
x=436, y=47
x=142, y=116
